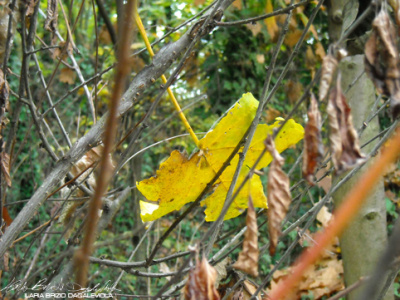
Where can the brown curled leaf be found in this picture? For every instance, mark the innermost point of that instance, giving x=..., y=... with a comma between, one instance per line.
x=51, y=21
x=312, y=142
x=279, y=197
x=6, y=261
x=345, y=148
x=4, y=94
x=30, y=7
x=396, y=9
x=5, y=167
x=201, y=282
x=382, y=62
x=248, y=258
x=329, y=66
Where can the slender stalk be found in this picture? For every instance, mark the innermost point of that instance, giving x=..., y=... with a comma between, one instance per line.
x=185, y=122
x=82, y=255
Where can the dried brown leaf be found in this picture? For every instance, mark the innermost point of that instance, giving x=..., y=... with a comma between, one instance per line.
x=272, y=26
x=30, y=7
x=62, y=51
x=312, y=142
x=5, y=167
x=254, y=28
x=237, y=4
x=51, y=21
x=324, y=216
x=260, y=58
x=199, y=2
x=67, y=75
x=310, y=58
x=329, y=66
x=382, y=62
x=84, y=167
x=6, y=261
x=320, y=51
x=249, y=289
x=396, y=8
x=271, y=114
x=248, y=257
x=345, y=148
x=292, y=37
x=201, y=282
x=279, y=197
x=221, y=269
x=86, y=163
x=4, y=94
x=293, y=90
x=238, y=294
x=6, y=217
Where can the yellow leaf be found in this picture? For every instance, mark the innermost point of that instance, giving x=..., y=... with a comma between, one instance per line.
x=272, y=27
x=180, y=180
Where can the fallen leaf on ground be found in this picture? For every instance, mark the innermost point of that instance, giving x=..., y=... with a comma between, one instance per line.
x=324, y=279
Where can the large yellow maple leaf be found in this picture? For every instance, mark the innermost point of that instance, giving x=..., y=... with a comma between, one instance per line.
x=180, y=179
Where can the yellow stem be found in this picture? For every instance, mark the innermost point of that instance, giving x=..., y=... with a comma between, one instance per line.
x=164, y=80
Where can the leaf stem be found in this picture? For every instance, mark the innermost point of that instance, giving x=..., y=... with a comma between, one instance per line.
x=185, y=122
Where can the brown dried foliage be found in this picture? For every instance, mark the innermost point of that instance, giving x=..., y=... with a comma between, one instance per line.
x=248, y=258
x=5, y=167
x=312, y=142
x=201, y=282
x=279, y=197
x=85, y=167
x=51, y=21
x=4, y=98
x=382, y=62
x=329, y=66
x=345, y=149
x=243, y=291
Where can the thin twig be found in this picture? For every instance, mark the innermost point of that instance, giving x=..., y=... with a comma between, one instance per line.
x=122, y=70
x=33, y=231
x=265, y=16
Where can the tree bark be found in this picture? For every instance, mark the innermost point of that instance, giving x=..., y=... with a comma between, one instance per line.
x=366, y=237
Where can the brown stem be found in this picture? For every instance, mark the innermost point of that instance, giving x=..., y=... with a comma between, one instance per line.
x=343, y=216
x=82, y=255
